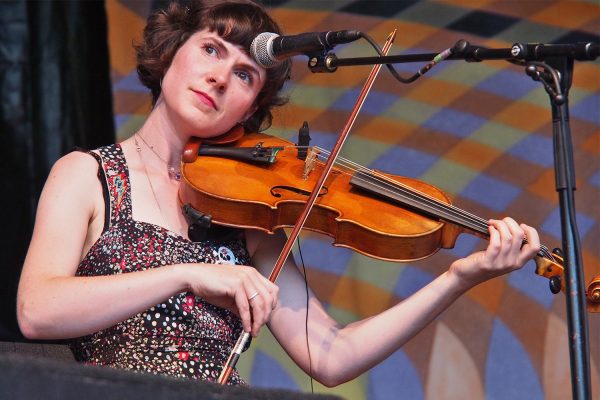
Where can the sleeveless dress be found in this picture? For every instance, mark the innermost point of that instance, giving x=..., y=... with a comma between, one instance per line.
x=183, y=337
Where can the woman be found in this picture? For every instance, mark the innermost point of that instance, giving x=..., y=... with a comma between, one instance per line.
x=110, y=264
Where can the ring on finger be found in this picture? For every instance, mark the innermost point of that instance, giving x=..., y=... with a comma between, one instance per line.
x=253, y=296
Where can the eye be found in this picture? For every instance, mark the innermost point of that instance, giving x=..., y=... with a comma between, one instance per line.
x=210, y=49
x=245, y=76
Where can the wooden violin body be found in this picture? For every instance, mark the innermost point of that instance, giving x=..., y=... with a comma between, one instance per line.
x=380, y=215
x=269, y=197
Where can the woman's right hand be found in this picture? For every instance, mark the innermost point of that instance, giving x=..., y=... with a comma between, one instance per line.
x=240, y=289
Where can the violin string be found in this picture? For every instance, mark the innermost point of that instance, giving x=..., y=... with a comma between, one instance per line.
x=432, y=201
x=480, y=222
x=408, y=191
x=354, y=167
x=429, y=200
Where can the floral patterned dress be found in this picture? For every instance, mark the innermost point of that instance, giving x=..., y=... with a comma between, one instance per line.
x=183, y=337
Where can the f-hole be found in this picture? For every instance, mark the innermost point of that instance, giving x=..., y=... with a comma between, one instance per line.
x=275, y=193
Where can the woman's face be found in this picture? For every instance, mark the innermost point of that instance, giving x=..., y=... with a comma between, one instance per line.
x=211, y=85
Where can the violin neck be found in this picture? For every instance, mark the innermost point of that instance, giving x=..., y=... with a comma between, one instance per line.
x=393, y=191
x=421, y=203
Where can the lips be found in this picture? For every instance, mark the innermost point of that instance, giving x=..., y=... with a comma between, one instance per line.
x=205, y=98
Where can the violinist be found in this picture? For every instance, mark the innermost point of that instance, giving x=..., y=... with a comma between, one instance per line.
x=111, y=267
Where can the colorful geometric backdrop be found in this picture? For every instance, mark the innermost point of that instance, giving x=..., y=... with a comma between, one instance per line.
x=480, y=131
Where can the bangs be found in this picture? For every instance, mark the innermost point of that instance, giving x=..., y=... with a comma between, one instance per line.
x=239, y=23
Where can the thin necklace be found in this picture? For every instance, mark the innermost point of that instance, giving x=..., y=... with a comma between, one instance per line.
x=139, y=151
x=174, y=173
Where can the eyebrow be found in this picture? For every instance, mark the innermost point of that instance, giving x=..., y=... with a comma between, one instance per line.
x=220, y=43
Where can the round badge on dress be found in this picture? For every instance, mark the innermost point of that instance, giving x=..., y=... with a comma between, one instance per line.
x=226, y=256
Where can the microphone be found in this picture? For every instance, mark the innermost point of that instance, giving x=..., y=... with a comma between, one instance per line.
x=269, y=49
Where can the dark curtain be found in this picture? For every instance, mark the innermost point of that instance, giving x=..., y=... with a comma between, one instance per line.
x=55, y=95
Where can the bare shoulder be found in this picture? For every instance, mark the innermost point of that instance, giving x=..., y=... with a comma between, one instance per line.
x=72, y=182
x=76, y=170
x=75, y=163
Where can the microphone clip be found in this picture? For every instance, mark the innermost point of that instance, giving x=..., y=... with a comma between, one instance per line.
x=549, y=77
x=321, y=62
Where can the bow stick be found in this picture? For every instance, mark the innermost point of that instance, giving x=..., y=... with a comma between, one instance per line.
x=285, y=252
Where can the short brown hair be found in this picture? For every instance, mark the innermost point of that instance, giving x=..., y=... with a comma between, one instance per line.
x=237, y=21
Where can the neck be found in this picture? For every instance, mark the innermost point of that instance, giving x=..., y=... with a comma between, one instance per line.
x=163, y=136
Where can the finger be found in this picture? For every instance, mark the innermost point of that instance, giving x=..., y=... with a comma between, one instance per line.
x=258, y=309
x=274, y=291
x=505, y=234
x=513, y=251
x=494, y=244
x=532, y=247
x=518, y=235
x=259, y=300
x=269, y=300
x=510, y=244
x=258, y=312
x=264, y=298
x=243, y=307
x=269, y=292
x=253, y=295
x=532, y=236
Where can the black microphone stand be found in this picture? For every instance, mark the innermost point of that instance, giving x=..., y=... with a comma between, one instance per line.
x=564, y=171
x=556, y=76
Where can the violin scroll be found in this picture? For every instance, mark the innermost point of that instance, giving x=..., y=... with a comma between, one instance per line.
x=553, y=269
x=593, y=292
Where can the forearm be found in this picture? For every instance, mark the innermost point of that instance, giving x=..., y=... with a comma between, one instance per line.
x=339, y=354
x=347, y=352
x=64, y=307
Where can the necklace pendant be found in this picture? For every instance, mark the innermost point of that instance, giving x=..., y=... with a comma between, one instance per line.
x=174, y=173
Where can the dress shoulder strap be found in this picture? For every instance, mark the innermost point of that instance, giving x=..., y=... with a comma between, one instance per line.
x=114, y=175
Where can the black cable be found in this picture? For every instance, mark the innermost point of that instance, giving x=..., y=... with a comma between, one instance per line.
x=440, y=57
x=312, y=388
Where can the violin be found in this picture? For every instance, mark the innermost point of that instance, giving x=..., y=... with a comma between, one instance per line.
x=262, y=182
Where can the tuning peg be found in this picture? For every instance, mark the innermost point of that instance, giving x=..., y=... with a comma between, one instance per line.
x=555, y=284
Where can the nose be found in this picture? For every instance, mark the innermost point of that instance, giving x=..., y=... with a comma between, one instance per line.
x=218, y=77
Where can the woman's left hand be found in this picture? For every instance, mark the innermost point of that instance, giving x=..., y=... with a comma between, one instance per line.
x=506, y=252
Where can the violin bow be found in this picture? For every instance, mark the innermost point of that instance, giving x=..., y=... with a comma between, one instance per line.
x=287, y=248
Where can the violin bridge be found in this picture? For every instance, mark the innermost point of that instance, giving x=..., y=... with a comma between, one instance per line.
x=309, y=162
